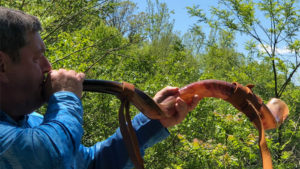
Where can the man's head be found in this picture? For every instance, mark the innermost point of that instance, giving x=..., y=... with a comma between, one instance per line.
x=22, y=63
x=14, y=25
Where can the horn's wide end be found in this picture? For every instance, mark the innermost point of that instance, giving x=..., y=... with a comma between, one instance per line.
x=279, y=112
x=279, y=109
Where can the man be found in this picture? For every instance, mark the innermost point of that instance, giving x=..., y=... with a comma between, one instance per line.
x=30, y=141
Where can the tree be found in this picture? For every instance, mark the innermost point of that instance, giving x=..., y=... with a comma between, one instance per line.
x=158, y=20
x=272, y=25
x=121, y=15
x=109, y=40
x=194, y=40
x=277, y=29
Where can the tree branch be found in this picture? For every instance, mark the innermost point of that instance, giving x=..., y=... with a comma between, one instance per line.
x=288, y=80
x=106, y=53
x=102, y=42
x=264, y=30
x=60, y=59
x=46, y=10
x=22, y=5
x=68, y=20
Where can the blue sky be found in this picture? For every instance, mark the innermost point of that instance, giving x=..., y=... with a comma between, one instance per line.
x=183, y=21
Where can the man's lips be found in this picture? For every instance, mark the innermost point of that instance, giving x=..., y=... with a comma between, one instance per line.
x=44, y=79
x=42, y=84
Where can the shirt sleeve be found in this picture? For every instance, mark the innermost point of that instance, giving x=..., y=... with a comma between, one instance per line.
x=53, y=144
x=112, y=153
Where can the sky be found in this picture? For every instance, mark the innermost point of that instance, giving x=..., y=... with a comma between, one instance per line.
x=183, y=21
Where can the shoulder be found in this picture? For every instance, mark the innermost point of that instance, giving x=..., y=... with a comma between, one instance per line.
x=36, y=115
x=35, y=119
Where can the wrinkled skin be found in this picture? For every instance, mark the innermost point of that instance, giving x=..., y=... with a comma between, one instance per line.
x=174, y=107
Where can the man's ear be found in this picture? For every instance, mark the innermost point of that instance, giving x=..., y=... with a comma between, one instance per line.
x=3, y=66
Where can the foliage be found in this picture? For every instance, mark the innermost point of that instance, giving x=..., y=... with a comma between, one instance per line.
x=110, y=40
x=271, y=25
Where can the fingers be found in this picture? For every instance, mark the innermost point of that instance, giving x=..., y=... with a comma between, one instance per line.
x=181, y=109
x=81, y=76
x=63, y=80
x=169, y=90
x=182, y=106
x=194, y=103
x=165, y=92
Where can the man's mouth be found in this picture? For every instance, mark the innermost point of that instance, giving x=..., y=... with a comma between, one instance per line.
x=44, y=79
x=43, y=83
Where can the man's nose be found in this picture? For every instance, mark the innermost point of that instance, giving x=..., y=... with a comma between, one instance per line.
x=45, y=65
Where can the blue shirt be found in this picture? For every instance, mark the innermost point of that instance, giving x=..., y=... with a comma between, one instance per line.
x=54, y=141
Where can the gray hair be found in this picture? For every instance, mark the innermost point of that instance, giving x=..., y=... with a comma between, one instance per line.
x=14, y=25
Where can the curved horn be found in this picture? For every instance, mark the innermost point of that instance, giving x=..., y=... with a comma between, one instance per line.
x=263, y=116
x=140, y=100
x=272, y=114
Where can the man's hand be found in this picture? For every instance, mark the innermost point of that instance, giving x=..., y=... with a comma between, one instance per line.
x=63, y=80
x=173, y=106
